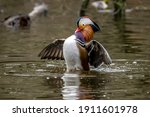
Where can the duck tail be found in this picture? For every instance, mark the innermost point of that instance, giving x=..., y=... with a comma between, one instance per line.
x=39, y=9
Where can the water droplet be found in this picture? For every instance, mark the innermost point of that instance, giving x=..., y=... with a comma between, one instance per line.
x=40, y=70
x=104, y=95
x=50, y=65
x=134, y=62
x=130, y=77
x=112, y=64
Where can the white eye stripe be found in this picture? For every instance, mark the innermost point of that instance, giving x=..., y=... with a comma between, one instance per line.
x=85, y=21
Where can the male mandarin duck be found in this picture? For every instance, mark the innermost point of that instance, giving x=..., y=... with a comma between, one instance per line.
x=79, y=50
x=24, y=20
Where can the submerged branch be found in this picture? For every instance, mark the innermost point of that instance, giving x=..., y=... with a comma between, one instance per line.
x=84, y=7
x=119, y=9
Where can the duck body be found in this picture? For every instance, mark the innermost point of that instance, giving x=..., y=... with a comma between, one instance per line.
x=71, y=54
x=24, y=20
x=79, y=50
x=102, y=4
x=17, y=21
x=75, y=55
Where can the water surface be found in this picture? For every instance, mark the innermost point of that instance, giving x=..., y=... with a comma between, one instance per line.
x=24, y=76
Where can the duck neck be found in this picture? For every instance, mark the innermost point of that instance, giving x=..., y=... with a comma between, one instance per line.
x=34, y=13
x=38, y=10
x=80, y=37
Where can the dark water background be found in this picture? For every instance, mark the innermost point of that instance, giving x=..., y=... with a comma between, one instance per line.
x=24, y=76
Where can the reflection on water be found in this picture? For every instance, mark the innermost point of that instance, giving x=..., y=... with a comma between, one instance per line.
x=35, y=80
x=81, y=86
x=84, y=86
x=24, y=76
x=71, y=88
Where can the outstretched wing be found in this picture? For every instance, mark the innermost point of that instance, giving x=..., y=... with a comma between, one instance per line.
x=97, y=54
x=53, y=51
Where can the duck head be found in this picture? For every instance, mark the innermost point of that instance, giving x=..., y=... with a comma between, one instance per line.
x=87, y=27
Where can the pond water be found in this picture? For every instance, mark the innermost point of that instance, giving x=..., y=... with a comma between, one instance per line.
x=24, y=76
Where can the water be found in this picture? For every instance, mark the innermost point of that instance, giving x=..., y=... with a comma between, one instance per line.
x=24, y=76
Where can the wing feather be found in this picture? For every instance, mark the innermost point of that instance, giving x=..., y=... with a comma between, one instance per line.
x=53, y=51
x=97, y=54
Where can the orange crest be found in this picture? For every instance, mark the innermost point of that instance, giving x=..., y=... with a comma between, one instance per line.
x=88, y=33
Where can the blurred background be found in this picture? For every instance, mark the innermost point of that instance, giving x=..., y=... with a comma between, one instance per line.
x=125, y=34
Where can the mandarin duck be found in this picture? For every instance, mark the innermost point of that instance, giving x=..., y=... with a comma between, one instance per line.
x=79, y=50
x=24, y=20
